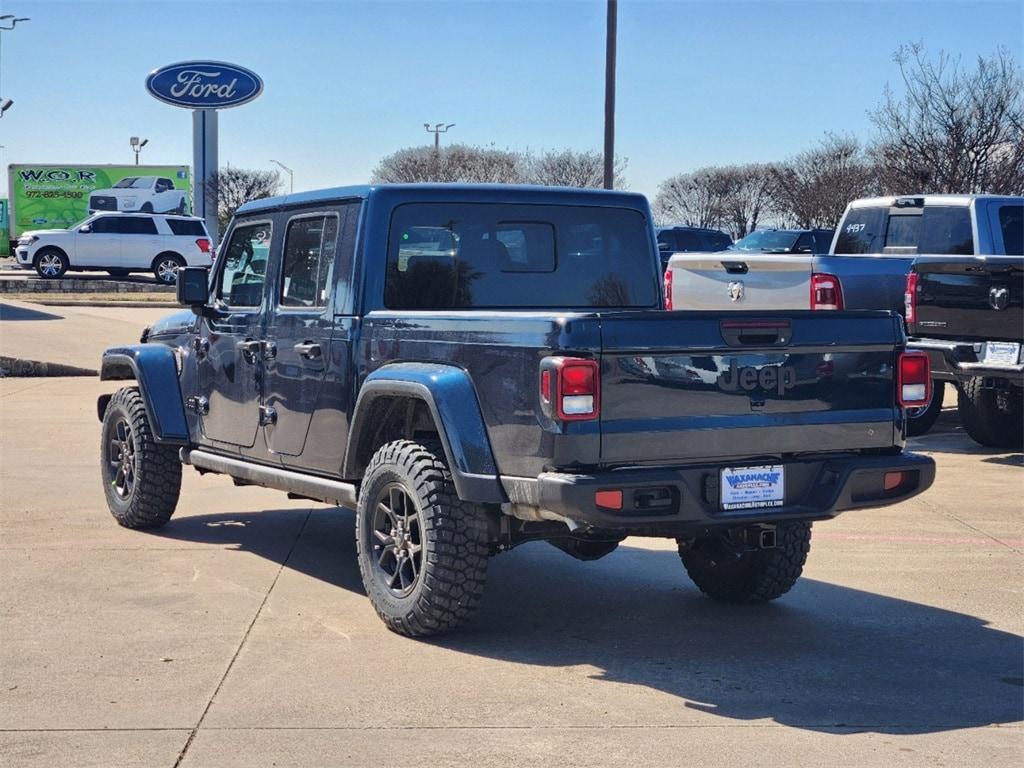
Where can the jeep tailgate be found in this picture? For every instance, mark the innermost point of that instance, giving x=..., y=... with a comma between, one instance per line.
x=681, y=386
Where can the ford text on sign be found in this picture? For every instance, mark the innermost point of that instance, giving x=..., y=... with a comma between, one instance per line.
x=204, y=84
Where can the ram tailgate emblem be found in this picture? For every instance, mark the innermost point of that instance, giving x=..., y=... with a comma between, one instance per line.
x=998, y=298
x=735, y=290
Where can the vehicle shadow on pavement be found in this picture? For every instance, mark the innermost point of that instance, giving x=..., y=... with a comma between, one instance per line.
x=824, y=657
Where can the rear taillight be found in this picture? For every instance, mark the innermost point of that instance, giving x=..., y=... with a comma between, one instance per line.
x=570, y=388
x=910, y=299
x=204, y=244
x=668, y=289
x=826, y=291
x=914, y=380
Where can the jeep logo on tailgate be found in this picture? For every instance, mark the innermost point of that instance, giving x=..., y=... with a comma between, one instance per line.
x=770, y=377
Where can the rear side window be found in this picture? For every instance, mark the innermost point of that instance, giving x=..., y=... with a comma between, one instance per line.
x=245, y=265
x=717, y=241
x=862, y=231
x=946, y=230
x=309, y=247
x=1011, y=221
x=192, y=227
x=462, y=256
x=903, y=231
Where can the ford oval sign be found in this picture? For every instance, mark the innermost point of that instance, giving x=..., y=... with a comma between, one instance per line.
x=204, y=84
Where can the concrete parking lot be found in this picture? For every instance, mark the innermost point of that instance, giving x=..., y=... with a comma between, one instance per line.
x=239, y=633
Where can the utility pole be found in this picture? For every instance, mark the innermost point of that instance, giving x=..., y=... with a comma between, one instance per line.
x=137, y=146
x=609, y=96
x=291, y=175
x=437, y=130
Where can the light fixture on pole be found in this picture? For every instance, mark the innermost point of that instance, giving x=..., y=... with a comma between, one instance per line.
x=13, y=22
x=137, y=146
x=437, y=130
x=291, y=175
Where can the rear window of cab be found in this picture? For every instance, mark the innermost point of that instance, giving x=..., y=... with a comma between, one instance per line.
x=936, y=229
x=491, y=255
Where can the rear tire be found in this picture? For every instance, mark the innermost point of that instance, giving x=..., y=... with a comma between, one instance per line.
x=992, y=417
x=422, y=551
x=166, y=266
x=51, y=263
x=141, y=477
x=724, y=571
x=920, y=420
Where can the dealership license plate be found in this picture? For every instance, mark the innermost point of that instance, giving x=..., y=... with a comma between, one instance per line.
x=1001, y=352
x=753, y=487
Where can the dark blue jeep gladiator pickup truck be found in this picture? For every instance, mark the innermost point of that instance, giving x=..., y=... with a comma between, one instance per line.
x=475, y=367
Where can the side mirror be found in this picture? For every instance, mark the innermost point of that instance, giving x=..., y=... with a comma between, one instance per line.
x=86, y=229
x=194, y=287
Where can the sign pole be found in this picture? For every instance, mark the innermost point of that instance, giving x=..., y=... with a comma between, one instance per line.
x=204, y=166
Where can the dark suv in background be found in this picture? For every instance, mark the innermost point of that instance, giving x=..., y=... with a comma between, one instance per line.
x=786, y=241
x=686, y=239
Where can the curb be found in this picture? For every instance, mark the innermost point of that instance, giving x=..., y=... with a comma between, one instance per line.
x=16, y=367
x=76, y=285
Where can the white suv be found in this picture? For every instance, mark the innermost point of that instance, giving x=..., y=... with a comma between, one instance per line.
x=147, y=194
x=118, y=243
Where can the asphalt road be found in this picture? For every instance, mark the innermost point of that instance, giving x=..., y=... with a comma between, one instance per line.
x=239, y=634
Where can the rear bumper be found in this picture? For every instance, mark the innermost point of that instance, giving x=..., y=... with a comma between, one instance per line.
x=815, y=489
x=958, y=360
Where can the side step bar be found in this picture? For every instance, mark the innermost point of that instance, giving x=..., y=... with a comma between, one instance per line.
x=308, y=486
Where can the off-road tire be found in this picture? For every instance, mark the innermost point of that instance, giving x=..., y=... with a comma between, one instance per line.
x=157, y=469
x=923, y=419
x=983, y=418
x=752, y=576
x=453, y=536
x=56, y=253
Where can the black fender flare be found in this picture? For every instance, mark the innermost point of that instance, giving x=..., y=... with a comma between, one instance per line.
x=449, y=395
x=155, y=369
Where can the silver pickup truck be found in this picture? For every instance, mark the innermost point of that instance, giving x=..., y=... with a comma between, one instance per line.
x=873, y=250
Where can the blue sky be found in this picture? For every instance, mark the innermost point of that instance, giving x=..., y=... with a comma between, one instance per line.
x=699, y=83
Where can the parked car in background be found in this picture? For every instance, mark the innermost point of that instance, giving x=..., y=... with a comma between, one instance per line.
x=967, y=313
x=118, y=243
x=686, y=239
x=146, y=194
x=767, y=269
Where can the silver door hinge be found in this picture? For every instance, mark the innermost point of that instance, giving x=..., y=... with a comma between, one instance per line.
x=268, y=416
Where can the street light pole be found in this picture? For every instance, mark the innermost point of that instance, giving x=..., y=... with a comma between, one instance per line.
x=137, y=146
x=437, y=130
x=7, y=28
x=609, y=96
x=291, y=176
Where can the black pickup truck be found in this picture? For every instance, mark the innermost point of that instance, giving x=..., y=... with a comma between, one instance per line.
x=475, y=367
x=967, y=313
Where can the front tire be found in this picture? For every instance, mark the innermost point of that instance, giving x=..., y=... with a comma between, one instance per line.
x=992, y=417
x=723, y=569
x=921, y=420
x=422, y=551
x=141, y=478
x=51, y=263
x=146, y=208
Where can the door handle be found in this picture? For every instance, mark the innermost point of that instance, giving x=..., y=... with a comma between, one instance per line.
x=250, y=349
x=308, y=350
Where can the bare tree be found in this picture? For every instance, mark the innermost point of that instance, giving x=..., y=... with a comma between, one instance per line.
x=748, y=196
x=953, y=130
x=453, y=163
x=235, y=186
x=566, y=168
x=696, y=199
x=812, y=189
